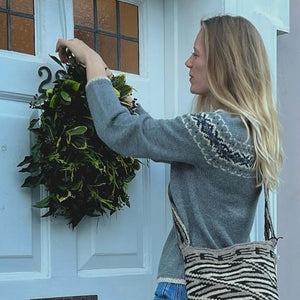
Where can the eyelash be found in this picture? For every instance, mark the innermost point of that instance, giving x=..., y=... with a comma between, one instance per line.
x=194, y=54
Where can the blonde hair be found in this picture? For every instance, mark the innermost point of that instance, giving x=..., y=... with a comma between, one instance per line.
x=239, y=80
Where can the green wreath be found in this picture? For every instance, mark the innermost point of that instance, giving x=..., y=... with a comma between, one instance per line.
x=82, y=175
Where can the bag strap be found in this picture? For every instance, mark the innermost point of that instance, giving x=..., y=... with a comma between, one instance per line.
x=181, y=232
x=269, y=231
x=180, y=229
x=184, y=239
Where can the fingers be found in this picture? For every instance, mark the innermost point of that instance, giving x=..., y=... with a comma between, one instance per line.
x=108, y=72
x=74, y=48
x=63, y=51
x=68, y=49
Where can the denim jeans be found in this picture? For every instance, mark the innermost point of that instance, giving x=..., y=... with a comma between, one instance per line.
x=170, y=291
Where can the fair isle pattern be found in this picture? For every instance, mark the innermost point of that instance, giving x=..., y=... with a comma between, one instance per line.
x=243, y=271
x=219, y=148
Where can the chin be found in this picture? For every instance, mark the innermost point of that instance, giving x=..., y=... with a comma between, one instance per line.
x=193, y=91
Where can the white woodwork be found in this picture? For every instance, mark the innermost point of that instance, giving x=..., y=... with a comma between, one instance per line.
x=42, y=257
x=112, y=257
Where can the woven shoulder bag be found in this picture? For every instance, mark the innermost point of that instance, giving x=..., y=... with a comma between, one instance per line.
x=243, y=271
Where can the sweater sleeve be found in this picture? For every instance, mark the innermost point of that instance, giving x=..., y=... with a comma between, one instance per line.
x=191, y=138
x=136, y=135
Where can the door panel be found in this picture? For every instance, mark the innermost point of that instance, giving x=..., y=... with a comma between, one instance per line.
x=99, y=251
x=112, y=257
x=20, y=226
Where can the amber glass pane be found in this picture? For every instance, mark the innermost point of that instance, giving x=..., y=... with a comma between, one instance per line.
x=22, y=36
x=108, y=50
x=24, y=6
x=84, y=13
x=3, y=32
x=129, y=56
x=107, y=17
x=86, y=36
x=129, y=19
x=3, y=3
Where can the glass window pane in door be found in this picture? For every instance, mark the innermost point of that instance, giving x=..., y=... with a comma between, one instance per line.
x=86, y=36
x=22, y=35
x=24, y=6
x=84, y=13
x=129, y=19
x=111, y=27
x=108, y=50
x=3, y=3
x=107, y=15
x=129, y=56
x=3, y=31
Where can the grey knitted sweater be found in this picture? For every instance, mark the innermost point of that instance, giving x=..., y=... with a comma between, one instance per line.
x=212, y=182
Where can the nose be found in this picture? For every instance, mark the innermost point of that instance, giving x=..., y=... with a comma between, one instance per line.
x=188, y=62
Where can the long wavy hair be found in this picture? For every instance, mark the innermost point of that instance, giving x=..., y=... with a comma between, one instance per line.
x=239, y=80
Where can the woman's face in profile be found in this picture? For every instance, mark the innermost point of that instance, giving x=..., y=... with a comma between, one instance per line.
x=197, y=65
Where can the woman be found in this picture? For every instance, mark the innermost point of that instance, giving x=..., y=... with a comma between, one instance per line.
x=220, y=155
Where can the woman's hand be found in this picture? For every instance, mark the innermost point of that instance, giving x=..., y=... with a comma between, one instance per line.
x=83, y=54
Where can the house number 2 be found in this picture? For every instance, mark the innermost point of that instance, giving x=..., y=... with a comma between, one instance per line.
x=45, y=71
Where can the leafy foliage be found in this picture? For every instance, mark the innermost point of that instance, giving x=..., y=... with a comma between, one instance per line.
x=82, y=175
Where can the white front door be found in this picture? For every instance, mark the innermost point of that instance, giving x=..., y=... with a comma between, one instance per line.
x=114, y=257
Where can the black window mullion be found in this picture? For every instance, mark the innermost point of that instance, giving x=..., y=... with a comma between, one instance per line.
x=84, y=28
x=96, y=37
x=112, y=34
x=8, y=24
x=118, y=35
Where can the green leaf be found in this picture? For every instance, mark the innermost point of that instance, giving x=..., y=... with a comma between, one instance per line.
x=118, y=81
x=129, y=178
x=78, y=130
x=43, y=203
x=56, y=60
x=48, y=213
x=33, y=167
x=49, y=92
x=77, y=186
x=61, y=198
x=125, y=91
x=125, y=103
x=35, y=150
x=52, y=101
x=58, y=143
x=79, y=142
x=56, y=157
x=71, y=84
x=32, y=123
x=32, y=181
x=35, y=130
x=66, y=97
x=28, y=159
x=117, y=92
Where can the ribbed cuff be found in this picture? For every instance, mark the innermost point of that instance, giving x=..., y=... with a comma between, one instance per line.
x=171, y=280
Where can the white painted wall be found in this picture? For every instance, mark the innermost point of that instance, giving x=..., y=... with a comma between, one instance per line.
x=182, y=23
x=188, y=25
x=288, y=196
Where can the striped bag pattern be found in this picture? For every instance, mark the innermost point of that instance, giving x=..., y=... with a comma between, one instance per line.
x=243, y=271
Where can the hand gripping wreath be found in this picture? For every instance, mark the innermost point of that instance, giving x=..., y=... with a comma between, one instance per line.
x=82, y=175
